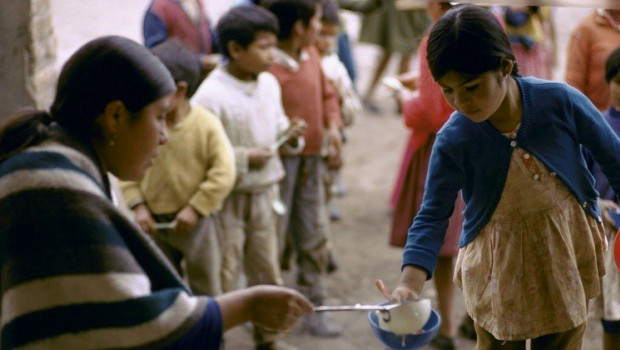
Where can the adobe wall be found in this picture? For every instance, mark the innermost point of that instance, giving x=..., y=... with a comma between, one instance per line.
x=27, y=55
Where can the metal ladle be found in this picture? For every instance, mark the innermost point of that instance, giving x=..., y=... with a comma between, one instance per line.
x=384, y=309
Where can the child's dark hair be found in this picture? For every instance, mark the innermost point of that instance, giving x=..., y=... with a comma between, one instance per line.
x=241, y=24
x=613, y=65
x=469, y=40
x=182, y=64
x=330, y=12
x=290, y=11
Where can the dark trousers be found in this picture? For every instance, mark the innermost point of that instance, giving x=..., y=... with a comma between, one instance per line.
x=301, y=226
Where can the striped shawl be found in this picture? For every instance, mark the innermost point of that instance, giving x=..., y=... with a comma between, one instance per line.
x=76, y=273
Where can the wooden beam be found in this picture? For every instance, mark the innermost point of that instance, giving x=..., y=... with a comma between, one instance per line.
x=607, y=4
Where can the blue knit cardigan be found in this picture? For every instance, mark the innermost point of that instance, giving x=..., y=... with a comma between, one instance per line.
x=473, y=157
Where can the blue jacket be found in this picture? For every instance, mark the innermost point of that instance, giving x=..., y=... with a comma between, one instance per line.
x=473, y=157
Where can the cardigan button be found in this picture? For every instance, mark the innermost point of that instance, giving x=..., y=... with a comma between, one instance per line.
x=513, y=144
x=536, y=177
x=584, y=204
x=553, y=174
x=526, y=156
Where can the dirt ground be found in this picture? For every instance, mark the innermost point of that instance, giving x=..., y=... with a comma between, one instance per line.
x=373, y=152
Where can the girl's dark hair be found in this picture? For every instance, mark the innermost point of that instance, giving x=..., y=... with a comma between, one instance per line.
x=330, y=12
x=241, y=24
x=104, y=70
x=290, y=11
x=469, y=40
x=613, y=65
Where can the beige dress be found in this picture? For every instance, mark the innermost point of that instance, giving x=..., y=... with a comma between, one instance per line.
x=535, y=265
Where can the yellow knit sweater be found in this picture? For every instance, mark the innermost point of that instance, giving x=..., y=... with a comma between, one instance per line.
x=196, y=167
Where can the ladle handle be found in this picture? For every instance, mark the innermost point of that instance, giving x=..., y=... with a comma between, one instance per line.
x=328, y=308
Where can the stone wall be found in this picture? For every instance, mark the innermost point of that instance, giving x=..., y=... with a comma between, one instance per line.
x=27, y=55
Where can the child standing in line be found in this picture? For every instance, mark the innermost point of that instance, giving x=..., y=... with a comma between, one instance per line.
x=247, y=100
x=338, y=75
x=350, y=105
x=188, y=181
x=333, y=68
x=185, y=20
x=607, y=305
x=533, y=240
x=306, y=93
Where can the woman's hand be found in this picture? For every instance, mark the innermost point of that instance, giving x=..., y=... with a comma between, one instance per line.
x=277, y=308
x=272, y=307
x=144, y=219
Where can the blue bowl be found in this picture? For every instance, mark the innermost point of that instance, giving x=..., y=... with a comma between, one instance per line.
x=406, y=342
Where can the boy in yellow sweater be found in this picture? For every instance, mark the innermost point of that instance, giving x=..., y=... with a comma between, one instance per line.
x=189, y=180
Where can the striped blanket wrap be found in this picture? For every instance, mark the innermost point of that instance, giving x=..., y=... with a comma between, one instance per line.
x=76, y=273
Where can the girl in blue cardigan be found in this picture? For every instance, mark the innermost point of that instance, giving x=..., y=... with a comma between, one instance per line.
x=531, y=250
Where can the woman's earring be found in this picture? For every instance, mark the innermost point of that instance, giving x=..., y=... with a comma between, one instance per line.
x=113, y=139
